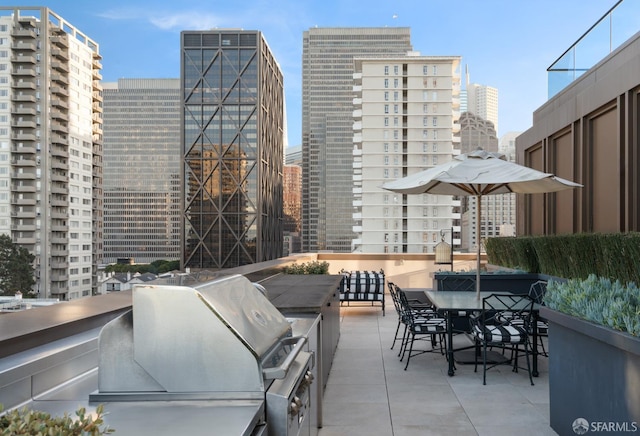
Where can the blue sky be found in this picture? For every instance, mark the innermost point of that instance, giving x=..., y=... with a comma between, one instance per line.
x=507, y=44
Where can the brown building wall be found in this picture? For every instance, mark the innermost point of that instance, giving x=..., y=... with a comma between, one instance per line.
x=587, y=133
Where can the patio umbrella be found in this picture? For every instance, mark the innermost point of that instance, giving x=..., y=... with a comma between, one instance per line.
x=477, y=174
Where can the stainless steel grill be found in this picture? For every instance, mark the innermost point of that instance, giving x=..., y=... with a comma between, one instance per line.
x=219, y=341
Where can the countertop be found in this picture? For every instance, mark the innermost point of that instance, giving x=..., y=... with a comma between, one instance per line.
x=301, y=293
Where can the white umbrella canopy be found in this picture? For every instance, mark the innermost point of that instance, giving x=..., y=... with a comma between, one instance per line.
x=479, y=173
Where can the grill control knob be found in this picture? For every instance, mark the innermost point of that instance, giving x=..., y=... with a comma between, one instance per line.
x=294, y=408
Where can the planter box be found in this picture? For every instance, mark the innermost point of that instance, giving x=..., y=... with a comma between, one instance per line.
x=594, y=374
x=517, y=283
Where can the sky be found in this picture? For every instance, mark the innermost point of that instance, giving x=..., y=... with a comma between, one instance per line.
x=506, y=44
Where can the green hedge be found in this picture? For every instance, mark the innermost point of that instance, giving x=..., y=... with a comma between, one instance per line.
x=615, y=256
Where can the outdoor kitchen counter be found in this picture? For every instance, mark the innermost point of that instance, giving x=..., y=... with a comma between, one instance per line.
x=302, y=293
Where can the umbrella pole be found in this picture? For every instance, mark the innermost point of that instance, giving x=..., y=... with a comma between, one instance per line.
x=478, y=209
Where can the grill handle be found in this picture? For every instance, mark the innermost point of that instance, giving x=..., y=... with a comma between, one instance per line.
x=281, y=371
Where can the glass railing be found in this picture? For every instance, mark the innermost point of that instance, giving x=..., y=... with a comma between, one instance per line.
x=612, y=30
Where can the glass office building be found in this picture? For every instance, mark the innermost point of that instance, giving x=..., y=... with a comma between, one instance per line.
x=232, y=149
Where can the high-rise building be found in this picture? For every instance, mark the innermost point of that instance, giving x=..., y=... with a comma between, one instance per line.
x=292, y=204
x=405, y=121
x=482, y=101
x=51, y=148
x=232, y=149
x=141, y=162
x=327, y=127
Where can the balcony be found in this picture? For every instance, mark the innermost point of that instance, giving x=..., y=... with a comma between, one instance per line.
x=21, y=136
x=22, y=110
x=422, y=399
x=23, y=124
x=25, y=98
x=60, y=66
x=18, y=32
x=59, y=78
x=28, y=72
x=60, y=40
x=23, y=45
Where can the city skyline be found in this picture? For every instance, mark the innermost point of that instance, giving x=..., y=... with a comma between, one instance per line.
x=507, y=45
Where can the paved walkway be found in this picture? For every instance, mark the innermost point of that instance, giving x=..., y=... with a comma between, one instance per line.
x=369, y=393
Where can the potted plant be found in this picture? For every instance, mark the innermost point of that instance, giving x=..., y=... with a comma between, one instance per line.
x=594, y=355
x=25, y=421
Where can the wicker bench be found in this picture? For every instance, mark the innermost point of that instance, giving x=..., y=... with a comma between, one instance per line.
x=362, y=286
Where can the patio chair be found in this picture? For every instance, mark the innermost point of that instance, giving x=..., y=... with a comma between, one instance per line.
x=493, y=328
x=419, y=308
x=536, y=293
x=420, y=325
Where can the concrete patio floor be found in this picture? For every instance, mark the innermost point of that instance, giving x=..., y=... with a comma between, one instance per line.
x=369, y=392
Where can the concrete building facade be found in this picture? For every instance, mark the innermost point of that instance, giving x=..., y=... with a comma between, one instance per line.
x=51, y=148
x=405, y=120
x=142, y=203
x=232, y=149
x=327, y=127
x=588, y=132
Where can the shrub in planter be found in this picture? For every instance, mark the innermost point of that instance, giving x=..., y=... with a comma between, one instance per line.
x=599, y=300
x=594, y=354
x=313, y=267
x=32, y=422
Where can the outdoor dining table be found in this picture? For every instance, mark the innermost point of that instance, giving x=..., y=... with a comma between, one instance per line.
x=450, y=303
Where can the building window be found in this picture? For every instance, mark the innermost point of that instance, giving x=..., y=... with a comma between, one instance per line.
x=435, y=121
x=425, y=108
x=395, y=147
x=386, y=121
x=395, y=134
x=435, y=70
x=386, y=108
x=435, y=147
x=434, y=211
x=395, y=108
x=386, y=162
x=385, y=211
x=395, y=95
x=425, y=95
x=434, y=226
x=386, y=70
x=385, y=198
x=386, y=147
x=435, y=134
x=386, y=96
x=425, y=133
x=425, y=69
x=386, y=173
x=395, y=121
x=395, y=83
x=386, y=83
x=425, y=211
x=435, y=160
x=425, y=121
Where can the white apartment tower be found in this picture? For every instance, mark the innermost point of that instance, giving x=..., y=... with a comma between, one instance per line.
x=51, y=148
x=406, y=111
x=482, y=101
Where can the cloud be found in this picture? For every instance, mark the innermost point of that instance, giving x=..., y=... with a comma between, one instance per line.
x=192, y=20
x=186, y=20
